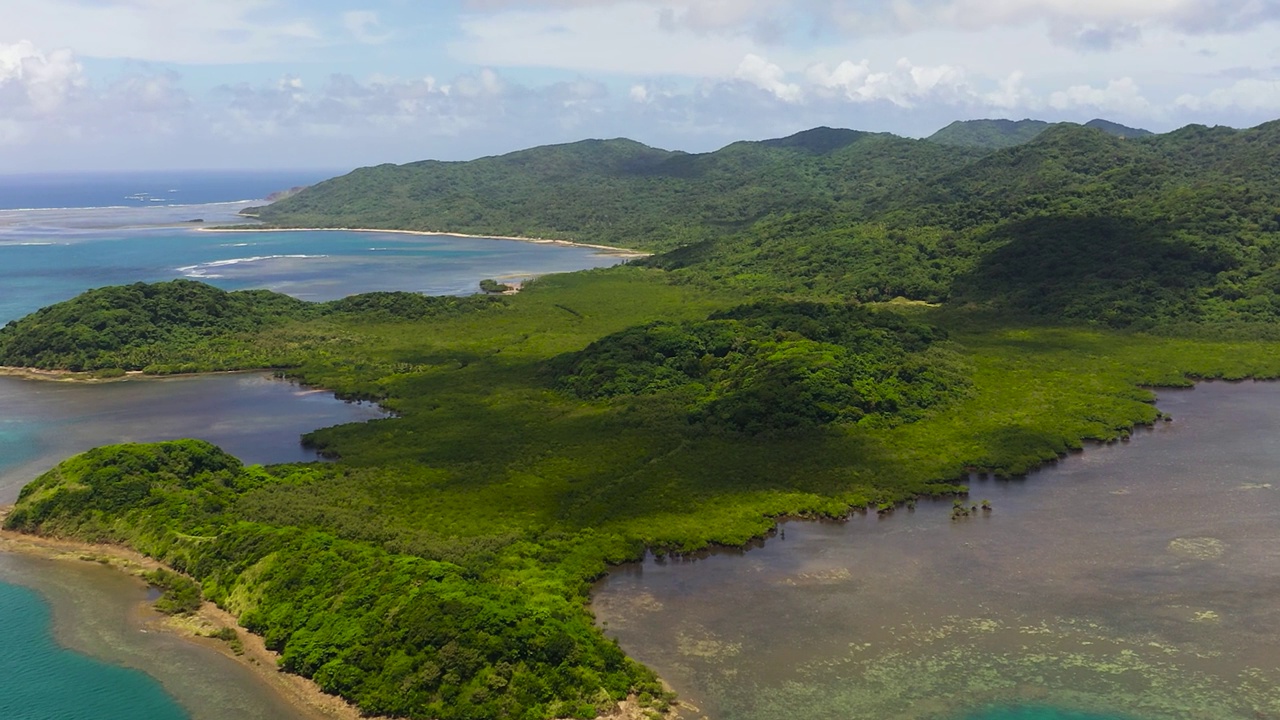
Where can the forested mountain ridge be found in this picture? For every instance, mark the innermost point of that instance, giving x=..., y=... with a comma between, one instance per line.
x=1114, y=128
x=989, y=134
x=620, y=192
x=1075, y=224
x=1149, y=230
x=997, y=134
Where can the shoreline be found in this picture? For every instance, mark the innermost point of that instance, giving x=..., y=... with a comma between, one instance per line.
x=298, y=692
x=608, y=249
x=294, y=690
x=87, y=377
x=75, y=376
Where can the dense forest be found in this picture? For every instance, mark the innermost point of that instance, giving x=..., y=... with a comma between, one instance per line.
x=1095, y=224
x=834, y=322
x=996, y=134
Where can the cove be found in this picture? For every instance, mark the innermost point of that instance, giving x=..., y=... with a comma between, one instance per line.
x=1134, y=581
x=251, y=415
x=78, y=646
x=40, y=674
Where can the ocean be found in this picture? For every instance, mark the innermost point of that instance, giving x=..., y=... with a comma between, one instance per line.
x=71, y=650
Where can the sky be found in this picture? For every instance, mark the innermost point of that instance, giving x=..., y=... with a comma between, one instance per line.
x=189, y=84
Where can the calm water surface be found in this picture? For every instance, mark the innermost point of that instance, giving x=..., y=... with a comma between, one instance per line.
x=75, y=649
x=252, y=416
x=1139, y=580
x=41, y=265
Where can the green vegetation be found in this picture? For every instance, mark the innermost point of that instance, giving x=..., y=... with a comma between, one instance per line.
x=839, y=321
x=491, y=286
x=230, y=637
x=184, y=326
x=775, y=366
x=1114, y=128
x=998, y=134
x=398, y=634
x=989, y=134
x=619, y=192
x=181, y=594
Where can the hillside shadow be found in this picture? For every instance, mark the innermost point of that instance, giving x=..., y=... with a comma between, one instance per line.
x=1115, y=271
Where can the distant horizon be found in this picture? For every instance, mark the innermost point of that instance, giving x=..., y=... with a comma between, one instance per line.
x=336, y=170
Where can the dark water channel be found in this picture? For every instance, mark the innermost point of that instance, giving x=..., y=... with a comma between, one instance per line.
x=1137, y=580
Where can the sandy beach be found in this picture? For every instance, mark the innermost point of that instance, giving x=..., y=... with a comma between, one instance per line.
x=608, y=249
x=298, y=692
x=63, y=375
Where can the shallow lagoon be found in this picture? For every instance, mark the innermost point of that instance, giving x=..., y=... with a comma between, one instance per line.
x=1138, y=580
x=251, y=415
x=40, y=267
x=77, y=648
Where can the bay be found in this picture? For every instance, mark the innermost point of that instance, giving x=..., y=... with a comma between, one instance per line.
x=1139, y=580
x=251, y=415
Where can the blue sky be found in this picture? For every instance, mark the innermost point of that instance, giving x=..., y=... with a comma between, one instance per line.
x=139, y=84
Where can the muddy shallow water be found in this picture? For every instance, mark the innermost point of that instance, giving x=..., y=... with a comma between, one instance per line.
x=1137, y=580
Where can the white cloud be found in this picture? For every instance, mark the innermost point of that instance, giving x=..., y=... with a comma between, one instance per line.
x=1190, y=16
x=1011, y=93
x=1119, y=96
x=34, y=82
x=627, y=38
x=853, y=17
x=1251, y=95
x=46, y=98
x=192, y=31
x=768, y=77
x=905, y=85
x=365, y=27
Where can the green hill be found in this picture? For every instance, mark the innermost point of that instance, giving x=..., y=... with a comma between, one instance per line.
x=1075, y=224
x=1113, y=128
x=989, y=134
x=873, y=216
x=998, y=134
x=618, y=192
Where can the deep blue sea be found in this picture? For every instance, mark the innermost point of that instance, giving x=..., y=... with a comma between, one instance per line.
x=146, y=189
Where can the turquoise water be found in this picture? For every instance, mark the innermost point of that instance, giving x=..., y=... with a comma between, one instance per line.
x=38, y=268
x=43, y=681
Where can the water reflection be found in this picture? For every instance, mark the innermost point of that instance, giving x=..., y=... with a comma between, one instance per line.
x=1139, y=579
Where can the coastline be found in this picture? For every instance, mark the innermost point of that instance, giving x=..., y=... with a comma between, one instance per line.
x=606, y=249
x=296, y=691
x=83, y=376
x=27, y=373
x=299, y=693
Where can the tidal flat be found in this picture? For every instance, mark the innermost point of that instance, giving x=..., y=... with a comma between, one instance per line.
x=1134, y=580
x=84, y=644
